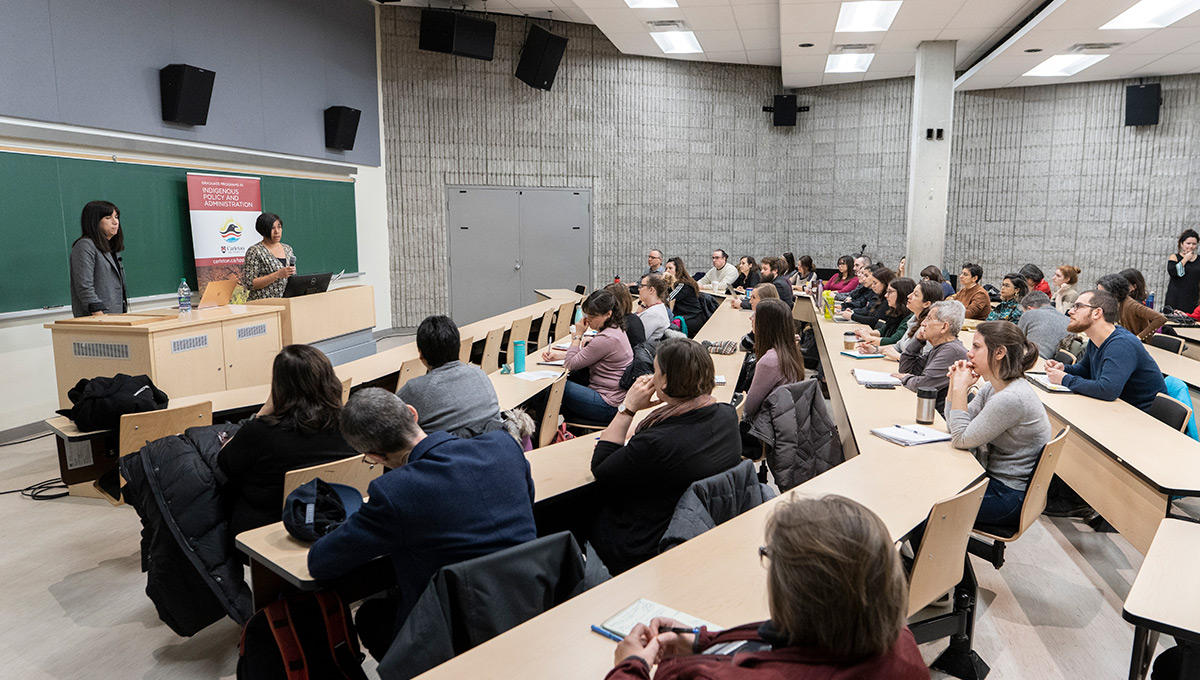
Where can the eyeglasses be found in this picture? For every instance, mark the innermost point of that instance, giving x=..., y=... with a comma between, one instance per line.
x=1078, y=305
x=716, y=257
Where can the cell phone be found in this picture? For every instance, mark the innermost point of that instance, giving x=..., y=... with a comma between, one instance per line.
x=880, y=386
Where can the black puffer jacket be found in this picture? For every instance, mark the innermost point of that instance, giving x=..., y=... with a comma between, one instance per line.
x=193, y=575
x=802, y=439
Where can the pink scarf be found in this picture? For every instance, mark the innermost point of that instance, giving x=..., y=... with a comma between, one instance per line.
x=678, y=408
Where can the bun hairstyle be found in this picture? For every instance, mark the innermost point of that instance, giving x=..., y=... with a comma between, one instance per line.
x=1069, y=273
x=1021, y=354
x=601, y=302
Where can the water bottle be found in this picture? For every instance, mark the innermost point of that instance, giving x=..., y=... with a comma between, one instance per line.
x=518, y=358
x=926, y=405
x=1150, y=299
x=185, y=297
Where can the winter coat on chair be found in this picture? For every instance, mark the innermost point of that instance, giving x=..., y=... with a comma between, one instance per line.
x=802, y=439
x=193, y=575
x=714, y=500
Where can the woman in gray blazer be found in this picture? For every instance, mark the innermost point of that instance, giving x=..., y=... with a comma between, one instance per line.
x=97, y=273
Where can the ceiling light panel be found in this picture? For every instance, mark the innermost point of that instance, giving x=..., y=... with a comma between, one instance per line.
x=867, y=16
x=677, y=42
x=848, y=63
x=651, y=4
x=1152, y=14
x=1061, y=65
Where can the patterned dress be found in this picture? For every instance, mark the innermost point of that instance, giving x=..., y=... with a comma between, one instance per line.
x=260, y=262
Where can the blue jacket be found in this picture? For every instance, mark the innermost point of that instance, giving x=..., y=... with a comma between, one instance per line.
x=1119, y=368
x=455, y=499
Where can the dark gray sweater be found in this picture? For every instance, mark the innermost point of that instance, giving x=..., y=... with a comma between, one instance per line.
x=455, y=397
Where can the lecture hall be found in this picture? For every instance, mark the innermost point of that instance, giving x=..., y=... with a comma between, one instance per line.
x=601, y=339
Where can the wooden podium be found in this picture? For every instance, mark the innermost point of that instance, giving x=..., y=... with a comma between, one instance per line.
x=204, y=350
x=337, y=322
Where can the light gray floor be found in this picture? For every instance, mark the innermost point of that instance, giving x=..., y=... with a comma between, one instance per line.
x=74, y=604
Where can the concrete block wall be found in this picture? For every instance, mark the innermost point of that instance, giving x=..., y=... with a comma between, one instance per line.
x=678, y=155
x=1051, y=175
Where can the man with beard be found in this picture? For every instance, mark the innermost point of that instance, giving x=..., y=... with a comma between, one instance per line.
x=1115, y=364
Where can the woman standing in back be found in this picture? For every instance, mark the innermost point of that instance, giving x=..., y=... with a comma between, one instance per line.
x=97, y=272
x=1183, y=270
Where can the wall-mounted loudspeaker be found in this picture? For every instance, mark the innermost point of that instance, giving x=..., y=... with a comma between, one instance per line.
x=784, y=114
x=458, y=34
x=341, y=125
x=1142, y=103
x=186, y=91
x=540, y=57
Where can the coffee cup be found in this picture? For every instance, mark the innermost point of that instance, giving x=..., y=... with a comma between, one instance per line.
x=849, y=339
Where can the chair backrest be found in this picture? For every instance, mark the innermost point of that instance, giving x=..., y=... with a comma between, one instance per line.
x=409, y=370
x=550, y=416
x=938, y=562
x=520, y=331
x=352, y=471
x=543, y=337
x=137, y=429
x=1171, y=343
x=491, y=351
x=1171, y=411
x=464, y=350
x=562, y=325
x=581, y=289
x=1039, y=483
x=346, y=390
x=1064, y=357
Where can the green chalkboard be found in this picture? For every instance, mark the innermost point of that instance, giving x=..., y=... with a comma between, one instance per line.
x=42, y=197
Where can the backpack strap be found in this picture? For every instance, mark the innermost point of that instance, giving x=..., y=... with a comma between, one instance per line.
x=279, y=619
x=342, y=643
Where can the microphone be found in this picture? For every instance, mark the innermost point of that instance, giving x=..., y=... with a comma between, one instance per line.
x=863, y=249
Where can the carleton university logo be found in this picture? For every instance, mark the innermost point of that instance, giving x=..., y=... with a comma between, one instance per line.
x=231, y=232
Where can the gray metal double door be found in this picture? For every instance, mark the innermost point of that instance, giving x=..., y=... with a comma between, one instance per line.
x=507, y=242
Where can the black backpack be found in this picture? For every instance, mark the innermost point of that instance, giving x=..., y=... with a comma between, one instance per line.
x=305, y=637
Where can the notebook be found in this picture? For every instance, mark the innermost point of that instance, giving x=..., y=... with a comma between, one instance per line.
x=910, y=435
x=1043, y=381
x=853, y=353
x=559, y=362
x=643, y=611
x=865, y=377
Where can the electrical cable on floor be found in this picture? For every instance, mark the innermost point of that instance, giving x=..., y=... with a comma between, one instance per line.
x=42, y=491
x=28, y=439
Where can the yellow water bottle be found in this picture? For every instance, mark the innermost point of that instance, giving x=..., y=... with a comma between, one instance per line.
x=829, y=305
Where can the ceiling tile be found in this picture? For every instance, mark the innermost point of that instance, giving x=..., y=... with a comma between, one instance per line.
x=988, y=14
x=808, y=18
x=615, y=20
x=720, y=41
x=758, y=16
x=634, y=43
x=821, y=43
x=763, y=57
x=814, y=64
x=1162, y=41
x=895, y=62
x=738, y=57
x=1169, y=65
x=838, y=78
x=925, y=16
x=801, y=80
x=761, y=39
x=709, y=18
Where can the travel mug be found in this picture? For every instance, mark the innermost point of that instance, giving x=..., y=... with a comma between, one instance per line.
x=926, y=401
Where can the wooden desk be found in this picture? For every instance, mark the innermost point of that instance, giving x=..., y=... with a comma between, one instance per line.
x=1165, y=597
x=1179, y=365
x=308, y=319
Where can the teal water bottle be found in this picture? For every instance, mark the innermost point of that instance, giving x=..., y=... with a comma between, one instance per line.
x=518, y=359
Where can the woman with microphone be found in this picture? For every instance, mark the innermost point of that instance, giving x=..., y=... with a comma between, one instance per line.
x=269, y=262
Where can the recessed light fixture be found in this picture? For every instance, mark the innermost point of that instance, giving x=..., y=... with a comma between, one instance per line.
x=1033, y=50
x=651, y=4
x=867, y=16
x=1061, y=65
x=806, y=44
x=677, y=42
x=848, y=63
x=1152, y=14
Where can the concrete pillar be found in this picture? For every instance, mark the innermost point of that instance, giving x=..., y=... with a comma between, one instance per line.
x=929, y=156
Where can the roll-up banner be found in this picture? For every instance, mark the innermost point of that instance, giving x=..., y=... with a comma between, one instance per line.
x=223, y=209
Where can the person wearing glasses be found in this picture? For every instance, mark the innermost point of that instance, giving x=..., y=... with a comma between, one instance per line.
x=821, y=626
x=604, y=355
x=723, y=273
x=1137, y=318
x=655, y=316
x=654, y=263
x=1115, y=364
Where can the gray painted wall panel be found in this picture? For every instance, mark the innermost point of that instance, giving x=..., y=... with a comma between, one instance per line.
x=27, y=61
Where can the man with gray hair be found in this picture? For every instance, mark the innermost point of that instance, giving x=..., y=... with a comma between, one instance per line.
x=443, y=500
x=1043, y=324
x=654, y=264
x=940, y=329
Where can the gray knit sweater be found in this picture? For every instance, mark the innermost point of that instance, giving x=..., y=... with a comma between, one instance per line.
x=1005, y=431
x=455, y=397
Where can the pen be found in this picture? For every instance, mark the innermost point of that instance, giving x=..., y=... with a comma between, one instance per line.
x=681, y=631
x=605, y=633
x=919, y=434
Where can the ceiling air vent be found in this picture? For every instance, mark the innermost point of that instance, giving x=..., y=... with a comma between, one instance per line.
x=854, y=48
x=667, y=25
x=1094, y=47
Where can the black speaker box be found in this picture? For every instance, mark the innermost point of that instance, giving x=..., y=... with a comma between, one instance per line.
x=458, y=34
x=186, y=92
x=1142, y=103
x=341, y=126
x=785, y=111
x=540, y=57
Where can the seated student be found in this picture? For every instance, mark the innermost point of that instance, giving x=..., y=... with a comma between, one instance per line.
x=452, y=397
x=685, y=296
x=1013, y=288
x=1137, y=284
x=296, y=428
x=723, y=273
x=1042, y=323
x=747, y=274
x=1114, y=364
x=1005, y=425
x=772, y=273
x=895, y=320
x=844, y=280
x=971, y=294
x=654, y=317
x=879, y=279
x=779, y=362
x=634, y=330
x=690, y=437
x=792, y=271
x=605, y=355
x=1135, y=317
x=932, y=273
x=416, y=513
x=940, y=329
x=807, y=275
x=862, y=264
x=1064, y=279
x=922, y=297
x=864, y=296
x=821, y=626
x=1034, y=278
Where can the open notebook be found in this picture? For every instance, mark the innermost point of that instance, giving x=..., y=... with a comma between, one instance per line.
x=1042, y=381
x=865, y=377
x=642, y=611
